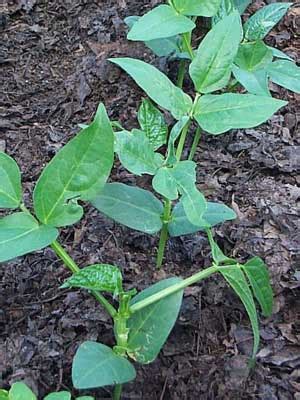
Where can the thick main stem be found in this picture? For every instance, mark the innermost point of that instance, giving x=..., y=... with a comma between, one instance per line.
x=164, y=233
x=73, y=267
x=175, y=288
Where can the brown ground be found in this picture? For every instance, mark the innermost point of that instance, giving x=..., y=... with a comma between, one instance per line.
x=54, y=72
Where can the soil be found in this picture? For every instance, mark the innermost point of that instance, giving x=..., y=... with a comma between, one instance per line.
x=54, y=73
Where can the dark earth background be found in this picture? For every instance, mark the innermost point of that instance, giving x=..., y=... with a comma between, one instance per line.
x=53, y=74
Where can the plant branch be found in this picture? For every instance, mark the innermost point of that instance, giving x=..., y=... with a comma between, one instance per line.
x=175, y=288
x=117, y=392
x=182, y=139
x=164, y=233
x=187, y=44
x=73, y=267
x=196, y=141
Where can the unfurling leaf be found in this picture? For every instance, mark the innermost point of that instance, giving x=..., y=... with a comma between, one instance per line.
x=102, y=277
x=285, y=73
x=161, y=22
x=219, y=113
x=20, y=234
x=131, y=206
x=96, y=365
x=259, y=278
x=152, y=122
x=237, y=280
x=136, y=152
x=157, y=86
x=211, y=68
x=150, y=327
x=260, y=24
x=78, y=172
x=10, y=182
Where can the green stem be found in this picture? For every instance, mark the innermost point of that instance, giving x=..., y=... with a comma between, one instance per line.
x=164, y=233
x=181, y=73
x=187, y=44
x=196, y=141
x=175, y=288
x=182, y=139
x=117, y=392
x=73, y=267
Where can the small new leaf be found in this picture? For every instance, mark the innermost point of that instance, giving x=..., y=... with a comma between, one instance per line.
x=259, y=278
x=152, y=122
x=10, y=182
x=161, y=22
x=260, y=24
x=96, y=365
x=78, y=171
x=102, y=277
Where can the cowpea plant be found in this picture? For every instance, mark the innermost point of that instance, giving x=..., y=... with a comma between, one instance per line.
x=141, y=322
x=228, y=54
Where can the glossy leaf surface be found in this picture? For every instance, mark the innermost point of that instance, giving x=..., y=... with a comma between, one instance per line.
x=102, y=277
x=285, y=73
x=152, y=122
x=260, y=24
x=136, y=152
x=202, y=8
x=10, y=182
x=211, y=68
x=161, y=22
x=215, y=213
x=21, y=234
x=237, y=280
x=96, y=365
x=131, y=206
x=78, y=171
x=157, y=86
x=259, y=278
x=20, y=391
x=219, y=113
x=151, y=326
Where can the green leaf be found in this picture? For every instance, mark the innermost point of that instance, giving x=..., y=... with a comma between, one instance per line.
x=150, y=327
x=174, y=134
x=152, y=122
x=199, y=8
x=253, y=56
x=194, y=205
x=255, y=82
x=285, y=73
x=21, y=234
x=260, y=24
x=215, y=214
x=236, y=279
x=20, y=391
x=226, y=8
x=280, y=54
x=4, y=394
x=102, y=277
x=96, y=365
x=136, y=152
x=78, y=171
x=161, y=22
x=157, y=86
x=85, y=398
x=241, y=5
x=10, y=182
x=211, y=68
x=219, y=113
x=58, y=396
x=131, y=206
x=259, y=278
x=217, y=253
